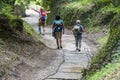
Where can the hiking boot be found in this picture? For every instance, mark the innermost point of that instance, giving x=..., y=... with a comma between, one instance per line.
x=79, y=50
x=43, y=34
x=61, y=47
x=58, y=48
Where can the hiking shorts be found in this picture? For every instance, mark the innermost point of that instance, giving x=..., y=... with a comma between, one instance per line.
x=42, y=23
x=58, y=35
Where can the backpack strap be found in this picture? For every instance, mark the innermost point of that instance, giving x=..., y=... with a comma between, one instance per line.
x=81, y=28
x=58, y=23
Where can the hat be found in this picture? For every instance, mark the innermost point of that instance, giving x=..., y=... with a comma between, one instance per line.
x=77, y=21
x=41, y=8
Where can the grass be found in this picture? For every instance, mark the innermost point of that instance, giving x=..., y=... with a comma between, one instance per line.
x=111, y=68
x=94, y=29
x=29, y=29
x=105, y=71
x=103, y=40
x=32, y=32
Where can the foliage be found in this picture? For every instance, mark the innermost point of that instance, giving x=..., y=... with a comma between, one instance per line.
x=93, y=29
x=29, y=29
x=22, y=2
x=103, y=40
x=10, y=2
x=4, y=23
x=70, y=11
x=108, y=53
x=90, y=12
x=5, y=8
x=9, y=24
x=104, y=72
x=17, y=24
x=110, y=70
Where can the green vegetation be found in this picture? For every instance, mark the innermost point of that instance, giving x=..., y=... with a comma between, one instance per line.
x=103, y=40
x=107, y=72
x=9, y=23
x=109, y=69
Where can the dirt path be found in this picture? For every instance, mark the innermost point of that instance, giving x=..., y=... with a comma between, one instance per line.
x=68, y=63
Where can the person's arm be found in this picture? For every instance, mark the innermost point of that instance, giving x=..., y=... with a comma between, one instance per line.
x=36, y=10
x=63, y=29
x=83, y=29
x=63, y=26
x=53, y=24
x=48, y=12
x=72, y=29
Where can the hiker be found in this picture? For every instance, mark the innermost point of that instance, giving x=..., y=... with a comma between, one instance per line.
x=58, y=30
x=42, y=19
x=77, y=32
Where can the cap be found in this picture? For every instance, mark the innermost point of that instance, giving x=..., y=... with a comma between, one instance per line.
x=77, y=21
x=41, y=8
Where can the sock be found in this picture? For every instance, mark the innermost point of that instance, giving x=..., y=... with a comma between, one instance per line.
x=39, y=29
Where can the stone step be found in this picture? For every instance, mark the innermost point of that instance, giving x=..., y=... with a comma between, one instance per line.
x=64, y=76
x=70, y=68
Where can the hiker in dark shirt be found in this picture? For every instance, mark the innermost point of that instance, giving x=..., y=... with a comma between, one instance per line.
x=58, y=30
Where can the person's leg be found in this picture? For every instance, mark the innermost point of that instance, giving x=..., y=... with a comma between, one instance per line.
x=57, y=39
x=57, y=42
x=44, y=25
x=39, y=26
x=76, y=41
x=60, y=39
x=39, y=30
x=79, y=41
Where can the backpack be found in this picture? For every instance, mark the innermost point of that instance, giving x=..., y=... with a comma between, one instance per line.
x=58, y=26
x=77, y=29
x=43, y=13
x=43, y=16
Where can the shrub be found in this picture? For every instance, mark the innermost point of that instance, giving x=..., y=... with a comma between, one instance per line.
x=17, y=24
x=9, y=24
x=4, y=23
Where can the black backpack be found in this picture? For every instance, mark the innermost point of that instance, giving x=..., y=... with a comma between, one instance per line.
x=58, y=26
